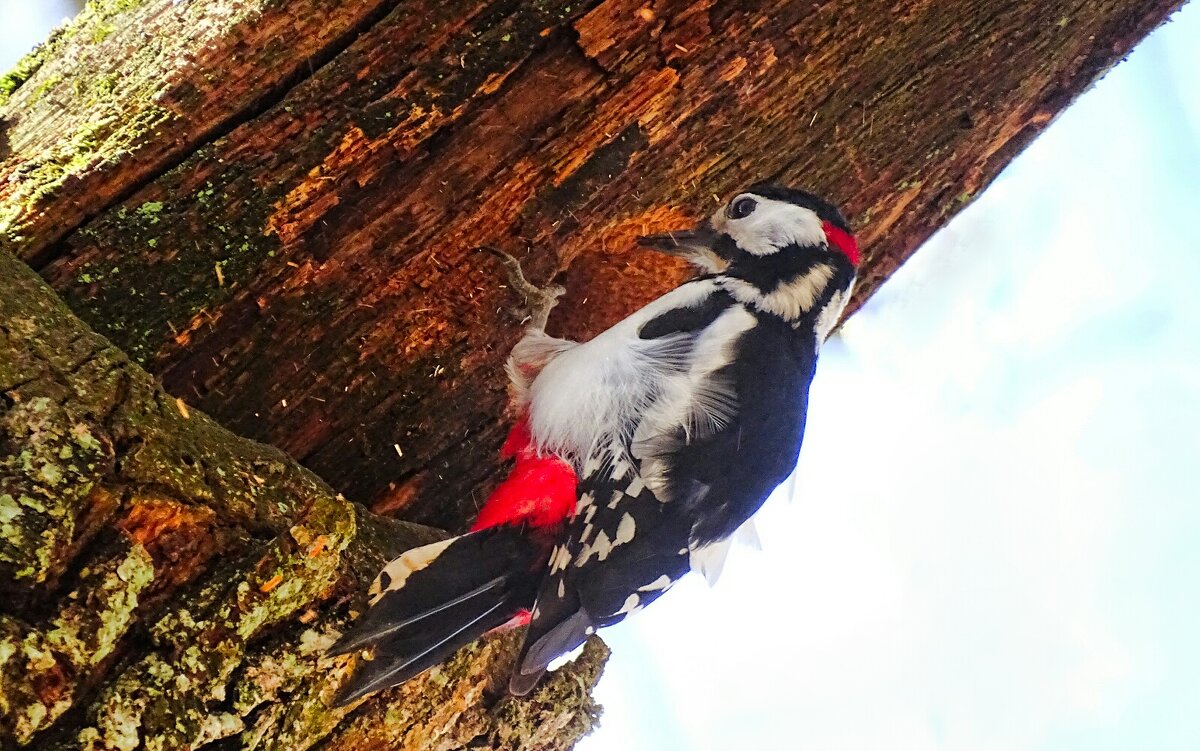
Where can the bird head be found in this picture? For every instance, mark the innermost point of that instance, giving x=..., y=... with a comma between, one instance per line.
x=784, y=250
x=763, y=225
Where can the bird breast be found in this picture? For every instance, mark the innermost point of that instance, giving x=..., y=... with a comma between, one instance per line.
x=619, y=383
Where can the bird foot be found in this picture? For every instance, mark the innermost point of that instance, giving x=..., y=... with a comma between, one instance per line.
x=538, y=301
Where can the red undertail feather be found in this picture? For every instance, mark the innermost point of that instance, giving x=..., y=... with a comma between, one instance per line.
x=539, y=491
x=434, y=599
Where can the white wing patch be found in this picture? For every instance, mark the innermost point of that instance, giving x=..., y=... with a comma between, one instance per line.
x=698, y=399
x=603, y=545
x=709, y=560
x=625, y=530
x=600, y=547
x=662, y=583
x=747, y=535
x=631, y=606
x=393, y=575
x=559, y=559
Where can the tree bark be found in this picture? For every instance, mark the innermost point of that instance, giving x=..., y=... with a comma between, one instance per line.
x=270, y=206
x=169, y=584
x=306, y=277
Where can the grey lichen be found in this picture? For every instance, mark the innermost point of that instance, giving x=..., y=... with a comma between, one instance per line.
x=100, y=610
x=45, y=486
x=96, y=451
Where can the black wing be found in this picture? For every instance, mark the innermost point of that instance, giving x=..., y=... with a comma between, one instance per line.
x=723, y=476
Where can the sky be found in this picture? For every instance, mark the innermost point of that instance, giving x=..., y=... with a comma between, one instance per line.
x=990, y=542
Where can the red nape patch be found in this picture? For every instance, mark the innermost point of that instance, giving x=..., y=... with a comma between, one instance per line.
x=539, y=491
x=842, y=240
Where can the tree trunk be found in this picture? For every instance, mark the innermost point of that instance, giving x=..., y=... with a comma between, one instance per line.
x=169, y=584
x=270, y=206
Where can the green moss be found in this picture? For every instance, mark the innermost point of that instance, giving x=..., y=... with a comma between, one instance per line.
x=9, y=509
x=166, y=704
x=95, y=617
x=160, y=292
x=96, y=17
x=103, y=608
x=44, y=87
x=99, y=88
x=92, y=141
x=27, y=661
x=22, y=72
x=522, y=723
x=47, y=481
x=101, y=31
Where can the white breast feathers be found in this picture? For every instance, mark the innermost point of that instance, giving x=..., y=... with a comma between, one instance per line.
x=604, y=388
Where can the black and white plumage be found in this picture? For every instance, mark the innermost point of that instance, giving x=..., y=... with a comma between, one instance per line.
x=678, y=422
x=683, y=418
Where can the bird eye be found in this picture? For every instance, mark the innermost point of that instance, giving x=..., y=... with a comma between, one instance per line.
x=742, y=207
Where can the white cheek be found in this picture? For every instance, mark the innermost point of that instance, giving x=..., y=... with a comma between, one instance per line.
x=772, y=226
x=808, y=229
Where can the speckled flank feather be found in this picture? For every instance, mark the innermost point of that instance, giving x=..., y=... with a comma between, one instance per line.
x=623, y=549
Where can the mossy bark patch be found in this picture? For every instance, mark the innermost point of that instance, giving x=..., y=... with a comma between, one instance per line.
x=128, y=87
x=169, y=585
x=321, y=251
x=271, y=205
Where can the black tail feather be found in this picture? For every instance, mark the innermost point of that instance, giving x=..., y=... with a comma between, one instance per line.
x=431, y=601
x=378, y=631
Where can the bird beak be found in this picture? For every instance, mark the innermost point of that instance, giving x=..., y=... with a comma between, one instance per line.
x=696, y=246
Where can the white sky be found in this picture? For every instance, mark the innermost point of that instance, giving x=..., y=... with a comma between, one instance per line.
x=994, y=541
x=26, y=22
x=994, y=538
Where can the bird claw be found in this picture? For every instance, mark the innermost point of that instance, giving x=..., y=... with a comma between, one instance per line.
x=539, y=301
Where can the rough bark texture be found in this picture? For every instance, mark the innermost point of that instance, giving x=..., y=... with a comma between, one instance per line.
x=168, y=585
x=270, y=205
x=306, y=278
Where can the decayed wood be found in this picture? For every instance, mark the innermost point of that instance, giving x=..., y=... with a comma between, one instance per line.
x=307, y=279
x=167, y=585
x=271, y=206
x=133, y=85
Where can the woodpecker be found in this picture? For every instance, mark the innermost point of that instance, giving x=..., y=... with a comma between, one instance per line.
x=637, y=455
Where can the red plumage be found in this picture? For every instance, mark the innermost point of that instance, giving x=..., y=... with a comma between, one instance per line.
x=842, y=240
x=539, y=491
